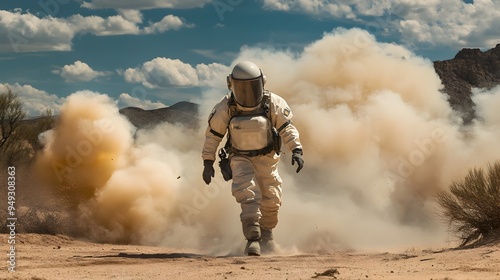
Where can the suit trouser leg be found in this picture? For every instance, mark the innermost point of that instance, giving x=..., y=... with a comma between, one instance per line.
x=257, y=187
x=269, y=182
x=247, y=193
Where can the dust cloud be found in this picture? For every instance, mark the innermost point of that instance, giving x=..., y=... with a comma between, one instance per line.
x=379, y=140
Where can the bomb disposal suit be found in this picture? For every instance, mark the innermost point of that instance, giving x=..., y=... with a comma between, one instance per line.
x=256, y=121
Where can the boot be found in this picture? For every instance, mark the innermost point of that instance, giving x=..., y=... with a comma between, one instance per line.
x=251, y=230
x=267, y=241
x=252, y=248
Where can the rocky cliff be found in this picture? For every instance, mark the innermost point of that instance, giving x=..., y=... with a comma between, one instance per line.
x=469, y=68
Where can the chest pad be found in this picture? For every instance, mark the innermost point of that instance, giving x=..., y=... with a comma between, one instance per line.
x=251, y=132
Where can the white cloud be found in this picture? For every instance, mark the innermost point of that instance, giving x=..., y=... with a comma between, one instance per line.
x=144, y=4
x=126, y=100
x=35, y=101
x=126, y=23
x=310, y=7
x=453, y=23
x=448, y=22
x=26, y=33
x=80, y=71
x=165, y=72
x=212, y=75
x=113, y=25
x=29, y=33
x=131, y=15
x=169, y=22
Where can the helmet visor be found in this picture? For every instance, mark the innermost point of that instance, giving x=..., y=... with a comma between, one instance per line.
x=248, y=93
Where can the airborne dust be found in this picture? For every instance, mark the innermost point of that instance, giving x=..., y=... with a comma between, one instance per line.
x=379, y=140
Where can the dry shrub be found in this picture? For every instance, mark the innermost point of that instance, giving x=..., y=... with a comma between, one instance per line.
x=31, y=219
x=472, y=207
x=41, y=222
x=24, y=143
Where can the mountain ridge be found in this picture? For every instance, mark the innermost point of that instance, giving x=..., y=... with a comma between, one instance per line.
x=470, y=68
x=183, y=112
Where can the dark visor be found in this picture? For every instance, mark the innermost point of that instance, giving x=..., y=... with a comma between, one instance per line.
x=248, y=93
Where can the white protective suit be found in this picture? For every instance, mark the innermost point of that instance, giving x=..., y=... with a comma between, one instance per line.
x=256, y=183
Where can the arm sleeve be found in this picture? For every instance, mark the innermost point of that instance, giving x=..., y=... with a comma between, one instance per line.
x=216, y=129
x=282, y=120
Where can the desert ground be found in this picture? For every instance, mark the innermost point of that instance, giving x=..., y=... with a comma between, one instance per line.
x=60, y=257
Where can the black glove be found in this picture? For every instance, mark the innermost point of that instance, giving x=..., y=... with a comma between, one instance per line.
x=208, y=171
x=297, y=158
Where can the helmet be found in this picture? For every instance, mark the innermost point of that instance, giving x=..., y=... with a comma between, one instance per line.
x=246, y=81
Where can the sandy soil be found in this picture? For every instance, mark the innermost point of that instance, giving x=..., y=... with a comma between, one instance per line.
x=60, y=257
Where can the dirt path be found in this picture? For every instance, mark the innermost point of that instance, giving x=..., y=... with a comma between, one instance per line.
x=59, y=257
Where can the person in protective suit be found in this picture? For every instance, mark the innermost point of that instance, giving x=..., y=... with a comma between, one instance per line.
x=257, y=121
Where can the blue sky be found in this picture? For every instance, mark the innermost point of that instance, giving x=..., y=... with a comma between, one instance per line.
x=154, y=53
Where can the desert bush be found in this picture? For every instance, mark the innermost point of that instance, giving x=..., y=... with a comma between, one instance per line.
x=472, y=206
x=41, y=222
x=24, y=145
x=11, y=113
x=19, y=137
x=31, y=219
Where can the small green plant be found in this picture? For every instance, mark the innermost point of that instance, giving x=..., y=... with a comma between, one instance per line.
x=472, y=206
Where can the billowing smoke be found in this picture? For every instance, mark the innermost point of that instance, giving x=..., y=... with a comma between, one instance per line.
x=380, y=140
x=129, y=186
x=379, y=137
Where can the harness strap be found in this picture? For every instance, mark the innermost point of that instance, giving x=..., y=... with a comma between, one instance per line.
x=216, y=133
x=234, y=112
x=264, y=151
x=284, y=125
